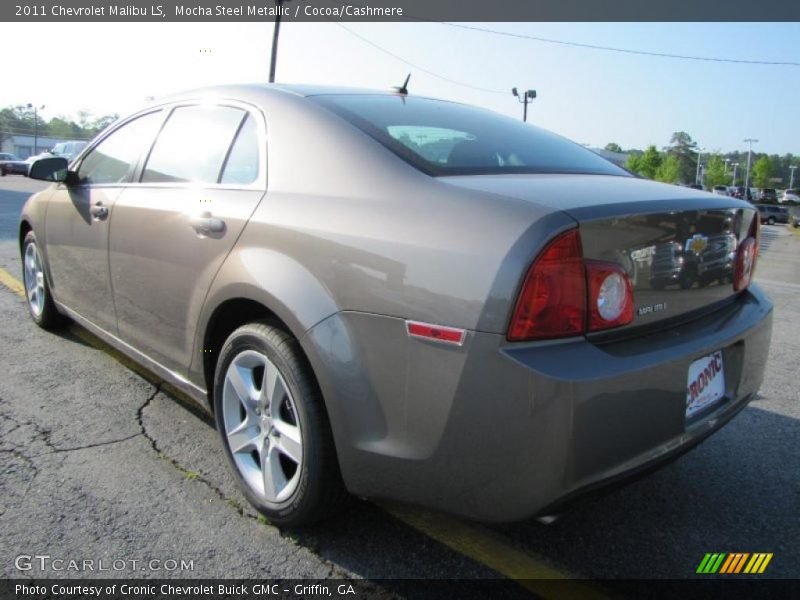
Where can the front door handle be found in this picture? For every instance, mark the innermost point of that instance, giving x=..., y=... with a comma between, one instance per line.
x=98, y=211
x=204, y=223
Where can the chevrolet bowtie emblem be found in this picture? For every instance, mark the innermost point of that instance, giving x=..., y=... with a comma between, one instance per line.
x=697, y=243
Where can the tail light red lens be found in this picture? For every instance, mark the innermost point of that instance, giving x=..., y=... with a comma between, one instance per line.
x=610, y=295
x=552, y=302
x=565, y=295
x=746, y=257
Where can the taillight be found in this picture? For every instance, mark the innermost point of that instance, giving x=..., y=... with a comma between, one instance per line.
x=746, y=257
x=563, y=295
x=552, y=302
x=610, y=295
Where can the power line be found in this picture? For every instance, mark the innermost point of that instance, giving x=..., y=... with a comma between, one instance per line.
x=622, y=50
x=415, y=66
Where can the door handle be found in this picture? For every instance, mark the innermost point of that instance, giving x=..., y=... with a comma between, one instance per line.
x=98, y=211
x=204, y=223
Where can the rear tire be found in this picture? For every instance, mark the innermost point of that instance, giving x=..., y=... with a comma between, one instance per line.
x=37, y=289
x=274, y=428
x=771, y=221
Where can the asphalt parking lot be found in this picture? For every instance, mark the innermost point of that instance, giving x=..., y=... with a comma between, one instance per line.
x=98, y=461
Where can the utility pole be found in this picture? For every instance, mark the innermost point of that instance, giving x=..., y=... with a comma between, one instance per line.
x=697, y=173
x=750, y=142
x=275, y=32
x=733, y=181
x=524, y=99
x=791, y=176
x=35, y=126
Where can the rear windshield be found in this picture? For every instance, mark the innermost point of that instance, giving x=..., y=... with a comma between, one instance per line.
x=444, y=138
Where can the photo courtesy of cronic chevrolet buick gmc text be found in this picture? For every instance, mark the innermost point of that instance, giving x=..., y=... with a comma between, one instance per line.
x=392, y=296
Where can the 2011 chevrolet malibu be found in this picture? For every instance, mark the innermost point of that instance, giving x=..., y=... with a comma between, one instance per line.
x=393, y=296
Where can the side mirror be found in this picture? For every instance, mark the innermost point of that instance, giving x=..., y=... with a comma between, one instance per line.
x=49, y=169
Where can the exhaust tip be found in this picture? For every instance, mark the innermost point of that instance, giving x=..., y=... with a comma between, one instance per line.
x=548, y=519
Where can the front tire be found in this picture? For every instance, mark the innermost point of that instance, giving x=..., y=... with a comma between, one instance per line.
x=274, y=428
x=37, y=289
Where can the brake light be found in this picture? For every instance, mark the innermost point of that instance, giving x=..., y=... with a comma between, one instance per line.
x=746, y=257
x=610, y=295
x=552, y=302
x=564, y=295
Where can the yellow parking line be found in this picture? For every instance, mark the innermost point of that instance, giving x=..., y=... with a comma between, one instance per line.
x=12, y=283
x=491, y=550
x=469, y=540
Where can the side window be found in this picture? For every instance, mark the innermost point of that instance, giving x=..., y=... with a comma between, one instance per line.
x=242, y=164
x=111, y=160
x=193, y=144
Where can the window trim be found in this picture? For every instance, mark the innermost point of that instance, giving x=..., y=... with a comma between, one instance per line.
x=166, y=108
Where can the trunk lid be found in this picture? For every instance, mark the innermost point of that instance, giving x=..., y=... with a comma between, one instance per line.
x=677, y=244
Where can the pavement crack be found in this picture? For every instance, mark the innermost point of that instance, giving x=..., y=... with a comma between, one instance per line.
x=191, y=475
x=57, y=449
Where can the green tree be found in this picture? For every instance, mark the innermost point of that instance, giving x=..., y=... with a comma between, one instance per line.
x=670, y=170
x=613, y=147
x=633, y=163
x=649, y=162
x=97, y=125
x=762, y=171
x=684, y=148
x=715, y=172
x=62, y=127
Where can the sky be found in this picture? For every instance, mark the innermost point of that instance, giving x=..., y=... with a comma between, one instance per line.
x=591, y=96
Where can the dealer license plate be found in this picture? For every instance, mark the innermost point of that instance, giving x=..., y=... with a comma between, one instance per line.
x=706, y=384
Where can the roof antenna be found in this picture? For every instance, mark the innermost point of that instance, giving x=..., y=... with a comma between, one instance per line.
x=403, y=89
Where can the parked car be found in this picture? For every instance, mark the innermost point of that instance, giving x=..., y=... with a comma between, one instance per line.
x=791, y=195
x=721, y=190
x=695, y=186
x=771, y=214
x=430, y=302
x=739, y=191
x=10, y=164
x=767, y=195
x=68, y=150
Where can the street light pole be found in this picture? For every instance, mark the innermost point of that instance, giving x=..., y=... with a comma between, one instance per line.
x=275, y=32
x=697, y=173
x=791, y=176
x=527, y=96
x=733, y=182
x=750, y=142
x=35, y=126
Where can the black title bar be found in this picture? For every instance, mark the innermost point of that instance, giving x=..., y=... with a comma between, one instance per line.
x=398, y=10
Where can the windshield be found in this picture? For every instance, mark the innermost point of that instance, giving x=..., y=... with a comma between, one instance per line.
x=444, y=138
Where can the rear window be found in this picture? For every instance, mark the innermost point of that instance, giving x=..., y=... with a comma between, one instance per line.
x=444, y=138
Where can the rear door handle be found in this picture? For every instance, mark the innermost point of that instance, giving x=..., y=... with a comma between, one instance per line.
x=98, y=211
x=204, y=223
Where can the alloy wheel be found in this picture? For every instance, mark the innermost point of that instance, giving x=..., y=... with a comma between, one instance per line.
x=34, y=279
x=262, y=428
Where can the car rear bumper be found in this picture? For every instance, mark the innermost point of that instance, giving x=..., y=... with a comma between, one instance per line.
x=500, y=432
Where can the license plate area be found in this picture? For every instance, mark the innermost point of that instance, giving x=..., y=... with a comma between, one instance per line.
x=705, y=384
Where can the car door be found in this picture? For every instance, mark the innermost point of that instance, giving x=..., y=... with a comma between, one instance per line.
x=172, y=230
x=78, y=217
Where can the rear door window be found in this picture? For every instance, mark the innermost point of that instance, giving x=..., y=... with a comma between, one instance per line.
x=193, y=145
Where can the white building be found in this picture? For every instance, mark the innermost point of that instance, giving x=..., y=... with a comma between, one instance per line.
x=23, y=145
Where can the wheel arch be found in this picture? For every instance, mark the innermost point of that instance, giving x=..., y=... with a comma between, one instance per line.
x=24, y=228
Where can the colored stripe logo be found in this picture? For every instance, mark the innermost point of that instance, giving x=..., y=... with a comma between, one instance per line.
x=734, y=563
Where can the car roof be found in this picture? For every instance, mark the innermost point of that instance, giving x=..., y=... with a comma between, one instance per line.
x=281, y=89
